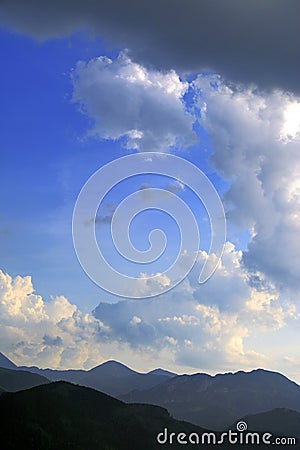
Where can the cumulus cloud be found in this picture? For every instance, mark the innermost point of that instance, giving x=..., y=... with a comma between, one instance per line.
x=250, y=41
x=186, y=329
x=142, y=107
x=255, y=143
x=207, y=327
x=49, y=334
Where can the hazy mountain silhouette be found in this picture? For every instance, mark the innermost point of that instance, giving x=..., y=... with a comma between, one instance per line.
x=6, y=363
x=15, y=380
x=163, y=372
x=111, y=377
x=213, y=402
x=62, y=416
x=70, y=375
x=217, y=401
x=116, y=379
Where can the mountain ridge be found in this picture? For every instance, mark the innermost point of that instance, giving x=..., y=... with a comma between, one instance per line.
x=217, y=401
x=6, y=363
x=210, y=401
x=113, y=363
x=111, y=377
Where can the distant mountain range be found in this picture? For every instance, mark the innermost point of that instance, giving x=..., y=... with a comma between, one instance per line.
x=111, y=377
x=62, y=416
x=267, y=401
x=217, y=401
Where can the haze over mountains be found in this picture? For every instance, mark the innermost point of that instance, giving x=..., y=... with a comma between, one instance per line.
x=62, y=416
x=111, y=377
x=267, y=401
x=217, y=401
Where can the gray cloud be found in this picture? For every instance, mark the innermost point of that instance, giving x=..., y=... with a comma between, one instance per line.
x=104, y=216
x=248, y=41
x=174, y=187
x=56, y=341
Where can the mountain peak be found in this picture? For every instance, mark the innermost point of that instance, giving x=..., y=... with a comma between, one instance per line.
x=113, y=368
x=6, y=363
x=112, y=362
x=160, y=371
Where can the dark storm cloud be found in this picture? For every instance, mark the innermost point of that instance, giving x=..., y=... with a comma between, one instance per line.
x=248, y=41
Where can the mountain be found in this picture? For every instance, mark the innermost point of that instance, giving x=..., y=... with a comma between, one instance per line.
x=280, y=421
x=15, y=380
x=5, y=363
x=115, y=379
x=212, y=402
x=217, y=401
x=163, y=372
x=62, y=416
x=111, y=377
x=72, y=376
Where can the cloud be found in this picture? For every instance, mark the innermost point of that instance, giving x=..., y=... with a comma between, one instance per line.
x=253, y=148
x=146, y=193
x=175, y=187
x=127, y=102
x=48, y=334
x=182, y=330
x=207, y=327
x=244, y=41
x=49, y=340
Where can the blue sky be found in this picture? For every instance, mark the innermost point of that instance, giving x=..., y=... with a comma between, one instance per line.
x=48, y=160
x=78, y=93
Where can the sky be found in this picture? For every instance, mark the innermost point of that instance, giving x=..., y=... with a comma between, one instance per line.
x=216, y=84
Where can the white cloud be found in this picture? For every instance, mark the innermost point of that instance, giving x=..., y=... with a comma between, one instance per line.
x=126, y=101
x=135, y=320
x=291, y=124
x=146, y=284
x=180, y=330
x=246, y=130
x=171, y=340
x=205, y=327
x=53, y=334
